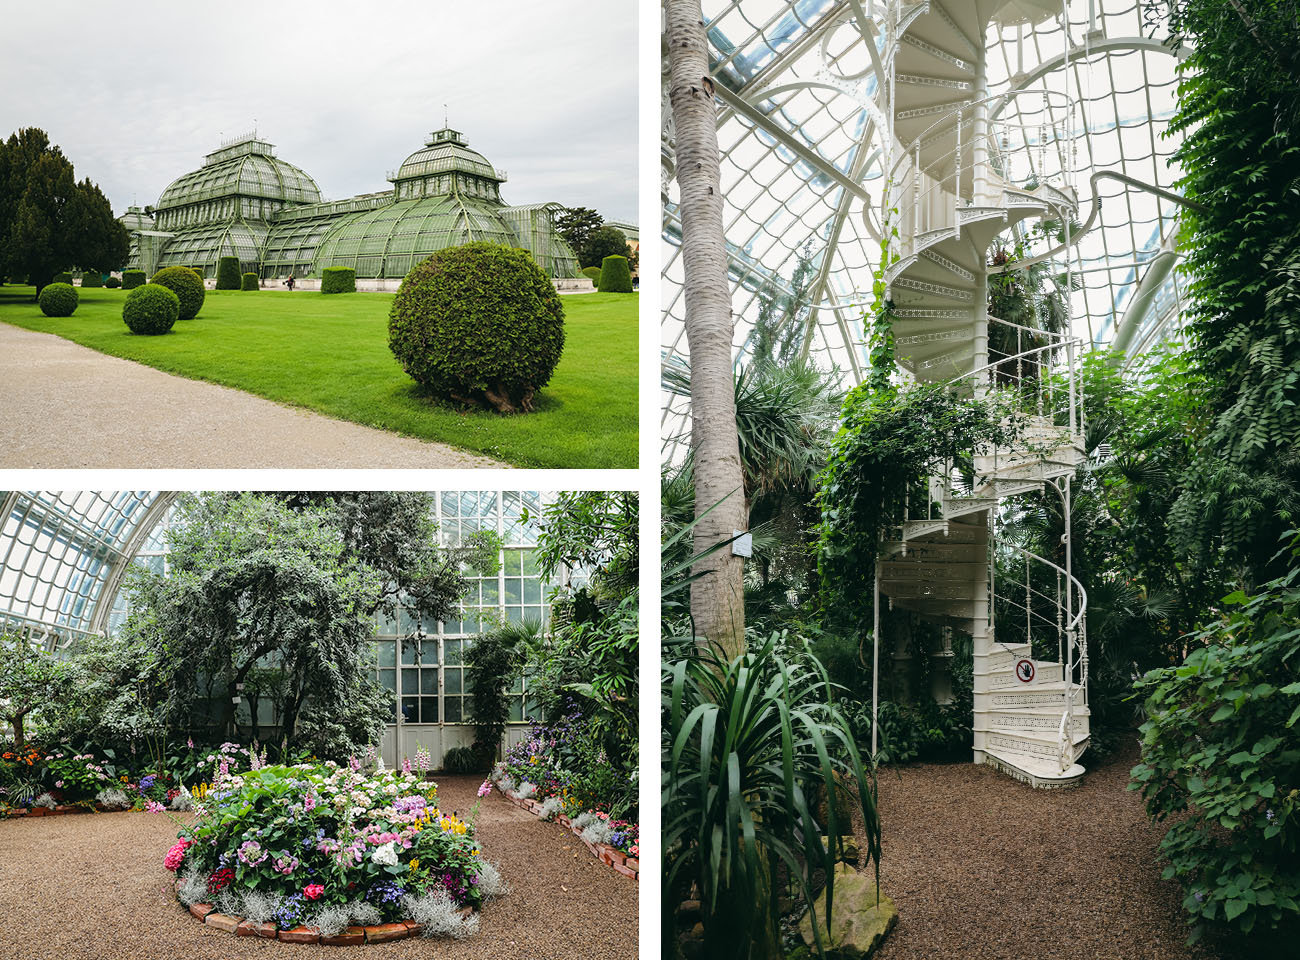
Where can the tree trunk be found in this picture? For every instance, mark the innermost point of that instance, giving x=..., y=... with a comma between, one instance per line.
x=18, y=729
x=717, y=597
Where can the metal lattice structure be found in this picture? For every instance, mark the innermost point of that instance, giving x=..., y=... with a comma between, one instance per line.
x=246, y=202
x=805, y=147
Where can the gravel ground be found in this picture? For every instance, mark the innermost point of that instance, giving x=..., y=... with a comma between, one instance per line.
x=88, y=886
x=984, y=868
x=67, y=406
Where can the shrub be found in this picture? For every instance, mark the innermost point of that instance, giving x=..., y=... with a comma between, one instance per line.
x=338, y=280
x=188, y=287
x=132, y=279
x=250, y=282
x=151, y=309
x=592, y=274
x=478, y=323
x=64, y=277
x=58, y=299
x=112, y=283
x=92, y=279
x=461, y=760
x=1220, y=752
x=228, y=273
x=615, y=276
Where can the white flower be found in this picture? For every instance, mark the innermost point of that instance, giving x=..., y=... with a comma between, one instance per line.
x=385, y=855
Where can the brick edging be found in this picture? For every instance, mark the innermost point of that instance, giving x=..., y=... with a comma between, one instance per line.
x=628, y=866
x=18, y=813
x=207, y=914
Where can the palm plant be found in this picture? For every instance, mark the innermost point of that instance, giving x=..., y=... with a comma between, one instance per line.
x=747, y=744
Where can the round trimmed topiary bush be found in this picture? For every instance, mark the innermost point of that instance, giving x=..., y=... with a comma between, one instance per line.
x=228, y=273
x=58, y=299
x=151, y=309
x=64, y=277
x=615, y=275
x=478, y=324
x=592, y=274
x=338, y=280
x=249, y=282
x=132, y=279
x=187, y=285
x=92, y=279
x=112, y=283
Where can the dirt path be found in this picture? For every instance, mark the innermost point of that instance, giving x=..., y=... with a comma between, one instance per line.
x=984, y=868
x=67, y=406
x=93, y=886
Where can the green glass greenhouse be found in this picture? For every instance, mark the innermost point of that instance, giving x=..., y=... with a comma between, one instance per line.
x=246, y=202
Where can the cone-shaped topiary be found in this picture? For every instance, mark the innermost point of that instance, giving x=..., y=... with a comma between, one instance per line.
x=338, y=280
x=228, y=273
x=91, y=278
x=151, y=309
x=615, y=276
x=187, y=285
x=132, y=279
x=112, y=283
x=478, y=324
x=58, y=299
x=249, y=282
x=592, y=274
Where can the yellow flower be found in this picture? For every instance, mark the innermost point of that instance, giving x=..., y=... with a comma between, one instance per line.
x=415, y=864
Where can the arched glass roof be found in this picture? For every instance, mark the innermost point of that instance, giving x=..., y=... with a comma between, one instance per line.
x=446, y=152
x=803, y=159
x=246, y=168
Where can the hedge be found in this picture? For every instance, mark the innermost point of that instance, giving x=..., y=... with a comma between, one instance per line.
x=249, y=282
x=338, y=280
x=151, y=309
x=92, y=279
x=58, y=299
x=479, y=323
x=112, y=283
x=228, y=273
x=592, y=274
x=187, y=285
x=132, y=279
x=615, y=275
x=64, y=277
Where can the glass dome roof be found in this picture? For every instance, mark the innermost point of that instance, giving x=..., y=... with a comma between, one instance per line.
x=802, y=154
x=244, y=168
x=390, y=240
x=446, y=152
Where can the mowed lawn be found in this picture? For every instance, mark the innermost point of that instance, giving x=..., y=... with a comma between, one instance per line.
x=330, y=354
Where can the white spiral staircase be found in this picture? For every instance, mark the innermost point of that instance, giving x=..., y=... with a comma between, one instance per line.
x=958, y=179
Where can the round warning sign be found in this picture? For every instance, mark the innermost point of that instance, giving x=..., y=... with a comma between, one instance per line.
x=1024, y=670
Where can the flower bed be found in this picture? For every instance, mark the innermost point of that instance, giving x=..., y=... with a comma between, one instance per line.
x=627, y=864
x=320, y=852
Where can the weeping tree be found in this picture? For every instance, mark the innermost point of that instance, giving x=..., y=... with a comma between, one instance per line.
x=717, y=593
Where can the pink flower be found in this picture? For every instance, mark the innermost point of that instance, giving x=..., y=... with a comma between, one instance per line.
x=175, y=855
x=153, y=806
x=484, y=790
x=312, y=891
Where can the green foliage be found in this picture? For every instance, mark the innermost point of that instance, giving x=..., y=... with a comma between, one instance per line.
x=32, y=681
x=249, y=282
x=187, y=285
x=592, y=274
x=1220, y=761
x=58, y=300
x=594, y=531
x=462, y=760
x=746, y=744
x=615, y=277
x=228, y=273
x=604, y=241
x=890, y=440
x=64, y=277
x=575, y=226
x=338, y=280
x=478, y=323
x=113, y=283
x=91, y=278
x=47, y=218
x=493, y=661
x=1239, y=118
x=151, y=309
x=132, y=279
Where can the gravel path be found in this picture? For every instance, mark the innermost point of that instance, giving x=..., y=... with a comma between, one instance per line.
x=67, y=406
x=984, y=868
x=88, y=886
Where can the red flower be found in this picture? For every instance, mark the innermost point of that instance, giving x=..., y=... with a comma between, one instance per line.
x=221, y=879
x=312, y=891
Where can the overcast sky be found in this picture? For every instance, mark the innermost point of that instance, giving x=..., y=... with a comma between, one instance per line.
x=137, y=94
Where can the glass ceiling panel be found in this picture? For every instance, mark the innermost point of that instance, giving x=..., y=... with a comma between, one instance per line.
x=804, y=66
